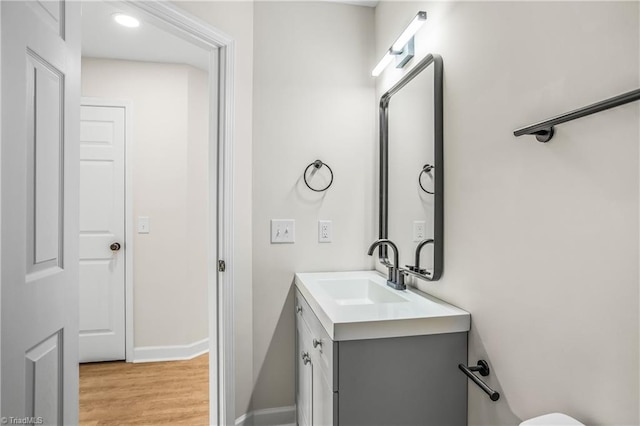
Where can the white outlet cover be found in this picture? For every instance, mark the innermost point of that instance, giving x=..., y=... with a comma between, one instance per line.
x=283, y=231
x=324, y=231
x=419, y=230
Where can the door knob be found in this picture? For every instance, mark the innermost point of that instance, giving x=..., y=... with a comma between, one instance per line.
x=115, y=246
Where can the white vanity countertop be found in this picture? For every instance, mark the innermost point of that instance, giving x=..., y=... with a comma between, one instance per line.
x=359, y=305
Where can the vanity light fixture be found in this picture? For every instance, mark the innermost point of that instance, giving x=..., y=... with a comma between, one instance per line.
x=126, y=20
x=402, y=48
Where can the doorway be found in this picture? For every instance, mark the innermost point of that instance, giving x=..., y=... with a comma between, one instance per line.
x=39, y=210
x=141, y=225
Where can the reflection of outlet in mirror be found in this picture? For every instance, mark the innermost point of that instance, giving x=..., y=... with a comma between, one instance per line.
x=283, y=231
x=419, y=230
x=324, y=231
x=143, y=224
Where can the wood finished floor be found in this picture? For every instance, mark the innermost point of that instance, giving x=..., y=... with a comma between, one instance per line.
x=155, y=393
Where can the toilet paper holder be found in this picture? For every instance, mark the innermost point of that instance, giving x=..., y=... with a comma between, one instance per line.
x=483, y=368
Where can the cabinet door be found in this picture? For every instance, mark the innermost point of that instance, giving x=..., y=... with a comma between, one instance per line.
x=322, y=399
x=304, y=376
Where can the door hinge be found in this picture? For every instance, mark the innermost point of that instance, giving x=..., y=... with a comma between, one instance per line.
x=221, y=266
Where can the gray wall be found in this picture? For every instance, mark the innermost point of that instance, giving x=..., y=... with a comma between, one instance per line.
x=313, y=98
x=541, y=240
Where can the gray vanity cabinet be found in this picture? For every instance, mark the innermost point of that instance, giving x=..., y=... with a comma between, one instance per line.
x=410, y=380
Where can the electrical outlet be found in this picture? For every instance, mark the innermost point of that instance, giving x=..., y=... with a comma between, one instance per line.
x=324, y=231
x=419, y=229
x=283, y=231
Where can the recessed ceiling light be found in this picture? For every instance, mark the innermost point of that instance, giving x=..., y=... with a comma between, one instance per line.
x=126, y=20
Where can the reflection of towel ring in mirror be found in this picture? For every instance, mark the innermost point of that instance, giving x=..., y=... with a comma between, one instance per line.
x=426, y=170
x=317, y=165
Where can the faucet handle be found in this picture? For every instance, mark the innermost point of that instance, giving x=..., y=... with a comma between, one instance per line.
x=416, y=269
x=402, y=274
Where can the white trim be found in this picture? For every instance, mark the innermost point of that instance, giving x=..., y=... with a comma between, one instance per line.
x=279, y=416
x=221, y=331
x=128, y=212
x=170, y=353
x=225, y=235
x=245, y=419
x=1, y=144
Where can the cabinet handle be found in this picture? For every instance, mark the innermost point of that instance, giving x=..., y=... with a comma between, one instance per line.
x=298, y=309
x=306, y=358
x=317, y=342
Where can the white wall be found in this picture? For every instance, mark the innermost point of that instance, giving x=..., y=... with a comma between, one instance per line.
x=197, y=196
x=541, y=241
x=313, y=99
x=236, y=19
x=170, y=169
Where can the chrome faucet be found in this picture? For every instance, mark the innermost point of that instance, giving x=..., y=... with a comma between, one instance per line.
x=396, y=274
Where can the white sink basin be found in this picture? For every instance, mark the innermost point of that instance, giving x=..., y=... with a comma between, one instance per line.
x=359, y=305
x=358, y=291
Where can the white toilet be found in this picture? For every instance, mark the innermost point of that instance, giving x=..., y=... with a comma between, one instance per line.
x=553, y=419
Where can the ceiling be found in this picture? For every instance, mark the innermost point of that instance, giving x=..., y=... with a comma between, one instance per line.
x=368, y=3
x=102, y=37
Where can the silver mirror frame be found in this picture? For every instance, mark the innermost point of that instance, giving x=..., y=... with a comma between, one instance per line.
x=438, y=219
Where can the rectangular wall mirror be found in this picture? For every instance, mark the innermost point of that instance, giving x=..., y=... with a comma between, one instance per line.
x=411, y=170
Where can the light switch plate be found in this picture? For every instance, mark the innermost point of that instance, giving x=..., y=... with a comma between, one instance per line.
x=324, y=231
x=143, y=225
x=283, y=231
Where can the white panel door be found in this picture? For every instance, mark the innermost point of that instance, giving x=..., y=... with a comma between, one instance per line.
x=102, y=245
x=40, y=71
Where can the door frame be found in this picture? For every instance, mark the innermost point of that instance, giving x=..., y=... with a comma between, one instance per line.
x=128, y=211
x=1, y=94
x=221, y=142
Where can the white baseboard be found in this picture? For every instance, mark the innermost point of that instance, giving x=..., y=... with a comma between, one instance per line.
x=170, y=353
x=245, y=419
x=279, y=416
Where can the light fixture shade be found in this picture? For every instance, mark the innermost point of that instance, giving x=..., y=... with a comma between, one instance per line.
x=397, y=49
x=386, y=60
x=126, y=20
x=409, y=32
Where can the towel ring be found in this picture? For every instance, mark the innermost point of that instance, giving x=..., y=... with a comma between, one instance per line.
x=317, y=165
x=425, y=170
